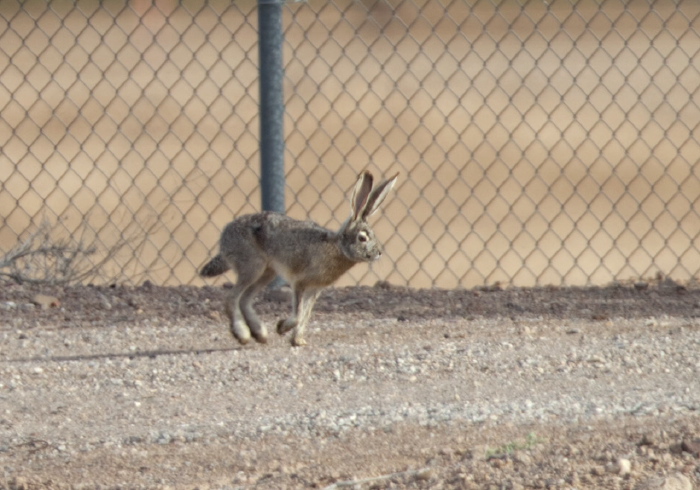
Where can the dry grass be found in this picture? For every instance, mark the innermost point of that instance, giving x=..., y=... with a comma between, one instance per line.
x=49, y=255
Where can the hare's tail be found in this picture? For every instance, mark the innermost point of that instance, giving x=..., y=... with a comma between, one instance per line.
x=215, y=267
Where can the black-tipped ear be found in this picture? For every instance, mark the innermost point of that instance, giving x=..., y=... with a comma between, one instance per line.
x=377, y=196
x=360, y=194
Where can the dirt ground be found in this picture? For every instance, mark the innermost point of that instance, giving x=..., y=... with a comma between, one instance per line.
x=143, y=387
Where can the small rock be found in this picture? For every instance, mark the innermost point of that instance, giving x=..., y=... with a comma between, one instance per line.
x=676, y=481
x=19, y=483
x=648, y=440
x=425, y=474
x=623, y=467
x=595, y=359
x=163, y=438
x=382, y=285
x=104, y=303
x=522, y=458
x=479, y=452
x=574, y=479
x=691, y=446
x=45, y=301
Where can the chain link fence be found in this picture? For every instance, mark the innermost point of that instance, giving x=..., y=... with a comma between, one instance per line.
x=538, y=142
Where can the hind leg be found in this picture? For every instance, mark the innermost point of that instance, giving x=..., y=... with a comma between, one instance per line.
x=237, y=305
x=246, y=305
x=239, y=328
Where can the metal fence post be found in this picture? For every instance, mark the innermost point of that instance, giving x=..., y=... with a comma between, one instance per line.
x=272, y=179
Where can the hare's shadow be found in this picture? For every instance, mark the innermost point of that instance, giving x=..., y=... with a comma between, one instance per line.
x=151, y=354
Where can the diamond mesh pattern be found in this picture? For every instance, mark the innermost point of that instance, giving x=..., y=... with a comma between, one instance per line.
x=538, y=143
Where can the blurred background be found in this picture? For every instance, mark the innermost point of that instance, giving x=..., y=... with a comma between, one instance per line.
x=539, y=143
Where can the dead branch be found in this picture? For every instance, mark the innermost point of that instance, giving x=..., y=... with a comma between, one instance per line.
x=45, y=258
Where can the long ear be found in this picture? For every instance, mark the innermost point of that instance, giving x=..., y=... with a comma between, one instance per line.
x=360, y=194
x=377, y=196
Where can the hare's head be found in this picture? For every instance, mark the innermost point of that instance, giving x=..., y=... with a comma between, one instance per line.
x=357, y=240
x=359, y=243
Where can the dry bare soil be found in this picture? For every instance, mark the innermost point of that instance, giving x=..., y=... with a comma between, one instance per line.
x=143, y=387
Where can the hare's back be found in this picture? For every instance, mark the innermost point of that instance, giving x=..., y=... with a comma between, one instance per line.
x=270, y=230
x=278, y=231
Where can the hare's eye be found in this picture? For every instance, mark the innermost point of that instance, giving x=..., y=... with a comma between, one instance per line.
x=362, y=236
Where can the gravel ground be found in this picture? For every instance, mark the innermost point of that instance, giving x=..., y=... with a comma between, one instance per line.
x=116, y=387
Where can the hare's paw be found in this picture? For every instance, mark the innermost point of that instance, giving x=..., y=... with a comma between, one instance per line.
x=260, y=334
x=240, y=331
x=241, y=339
x=298, y=341
x=284, y=326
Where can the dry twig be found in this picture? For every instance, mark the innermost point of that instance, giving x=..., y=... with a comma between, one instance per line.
x=46, y=258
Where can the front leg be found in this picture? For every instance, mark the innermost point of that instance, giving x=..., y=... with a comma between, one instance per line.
x=308, y=300
x=287, y=324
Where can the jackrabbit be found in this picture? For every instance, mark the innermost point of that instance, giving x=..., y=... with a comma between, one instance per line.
x=309, y=257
